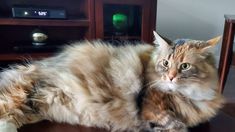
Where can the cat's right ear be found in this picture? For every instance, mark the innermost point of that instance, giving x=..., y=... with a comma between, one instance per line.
x=160, y=42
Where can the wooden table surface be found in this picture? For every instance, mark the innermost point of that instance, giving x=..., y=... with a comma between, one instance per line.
x=221, y=123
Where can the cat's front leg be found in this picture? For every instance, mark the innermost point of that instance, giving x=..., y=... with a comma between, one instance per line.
x=162, y=121
x=164, y=125
x=7, y=126
x=158, y=129
x=172, y=126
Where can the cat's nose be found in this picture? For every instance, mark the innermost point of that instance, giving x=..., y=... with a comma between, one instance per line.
x=172, y=75
x=171, y=78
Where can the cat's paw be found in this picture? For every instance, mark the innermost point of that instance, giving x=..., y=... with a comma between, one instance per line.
x=174, y=130
x=169, y=130
x=172, y=124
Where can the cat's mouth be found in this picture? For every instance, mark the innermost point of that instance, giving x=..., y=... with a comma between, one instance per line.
x=167, y=86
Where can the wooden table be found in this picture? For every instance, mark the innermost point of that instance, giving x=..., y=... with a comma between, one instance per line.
x=226, y=50
x=221, y=123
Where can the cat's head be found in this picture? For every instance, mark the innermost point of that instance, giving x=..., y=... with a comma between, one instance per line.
x=187, y=68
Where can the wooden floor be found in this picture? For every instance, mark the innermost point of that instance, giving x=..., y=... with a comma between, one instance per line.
x=224, y=122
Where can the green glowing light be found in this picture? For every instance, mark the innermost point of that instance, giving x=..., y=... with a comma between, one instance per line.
x=120, y=21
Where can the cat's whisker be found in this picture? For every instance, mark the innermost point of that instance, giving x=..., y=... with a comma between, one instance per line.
x=150, y=83
x=154, y=84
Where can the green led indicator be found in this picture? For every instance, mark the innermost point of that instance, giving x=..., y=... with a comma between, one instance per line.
x=120, y=21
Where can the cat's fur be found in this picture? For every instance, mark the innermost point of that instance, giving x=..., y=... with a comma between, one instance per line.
x=90, y=83
x=95, y=84
x=191, y=96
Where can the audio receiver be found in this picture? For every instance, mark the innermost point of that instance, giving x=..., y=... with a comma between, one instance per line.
x=38, y=12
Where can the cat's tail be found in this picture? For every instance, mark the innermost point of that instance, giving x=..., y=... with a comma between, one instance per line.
x=15, y=84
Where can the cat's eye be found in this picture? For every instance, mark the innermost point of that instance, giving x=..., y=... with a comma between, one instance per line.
x=165, y=63
x=185, y=66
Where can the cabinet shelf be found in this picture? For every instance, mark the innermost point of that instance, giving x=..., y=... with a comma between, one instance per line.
x=23, y=56
x=44, y=22
x=122, y=37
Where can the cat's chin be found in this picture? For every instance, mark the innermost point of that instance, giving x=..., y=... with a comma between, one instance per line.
x=167, y=86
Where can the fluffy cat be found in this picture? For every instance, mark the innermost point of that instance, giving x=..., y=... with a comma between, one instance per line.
x=182, y=85
x=96, y=84
x=90, y=83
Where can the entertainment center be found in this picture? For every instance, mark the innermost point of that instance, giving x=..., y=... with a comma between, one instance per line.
x=109, y=20
x=32, y=32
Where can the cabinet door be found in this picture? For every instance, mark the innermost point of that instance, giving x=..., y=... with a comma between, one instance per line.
x=125, y=19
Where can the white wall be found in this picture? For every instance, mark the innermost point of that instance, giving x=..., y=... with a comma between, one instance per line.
x=195, y=19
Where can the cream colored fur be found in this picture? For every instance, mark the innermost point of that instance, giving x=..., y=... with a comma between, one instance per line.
x=91, y=84
x=7, y=127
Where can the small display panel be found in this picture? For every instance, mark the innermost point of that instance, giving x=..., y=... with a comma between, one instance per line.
x=37, y=12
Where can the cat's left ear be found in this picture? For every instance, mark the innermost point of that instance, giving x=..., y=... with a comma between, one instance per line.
x=162, y=44
x=212, y=42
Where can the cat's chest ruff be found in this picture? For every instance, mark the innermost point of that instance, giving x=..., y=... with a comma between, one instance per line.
x=194, y=111
x=196, y=93
x=201, y=105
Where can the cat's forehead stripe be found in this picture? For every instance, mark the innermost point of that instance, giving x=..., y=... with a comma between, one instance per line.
x=179, y=52
x=169, y=56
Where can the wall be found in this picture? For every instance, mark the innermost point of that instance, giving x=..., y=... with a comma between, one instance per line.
x=196, y=19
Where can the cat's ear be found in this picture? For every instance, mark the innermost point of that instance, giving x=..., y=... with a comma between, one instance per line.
x=162, y=44
x=212, y=42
